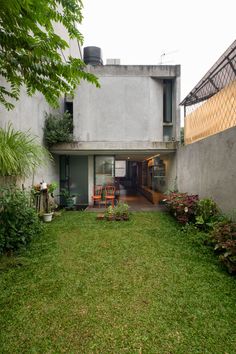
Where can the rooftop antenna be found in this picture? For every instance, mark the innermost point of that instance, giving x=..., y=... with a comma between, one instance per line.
x=163, y=55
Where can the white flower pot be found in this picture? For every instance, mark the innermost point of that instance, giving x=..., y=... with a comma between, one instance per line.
x=47, y=217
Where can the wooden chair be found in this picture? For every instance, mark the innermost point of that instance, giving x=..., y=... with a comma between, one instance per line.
x=97, y=196
x=110, y=195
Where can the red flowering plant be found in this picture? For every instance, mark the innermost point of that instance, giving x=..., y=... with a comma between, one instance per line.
x=182, y=206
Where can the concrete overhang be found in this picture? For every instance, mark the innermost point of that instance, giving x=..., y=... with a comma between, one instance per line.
x=155, y=71
x=114, y=148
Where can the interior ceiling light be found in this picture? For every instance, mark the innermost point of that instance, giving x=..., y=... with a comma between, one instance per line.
x=152, y=157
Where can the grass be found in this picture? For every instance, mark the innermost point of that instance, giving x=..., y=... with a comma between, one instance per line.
x=141, y=286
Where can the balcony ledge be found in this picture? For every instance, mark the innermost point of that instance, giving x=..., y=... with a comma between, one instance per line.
x=97, y=147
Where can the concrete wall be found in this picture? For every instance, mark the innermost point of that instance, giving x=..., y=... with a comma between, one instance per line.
x=171, y=172
x=123, y=109
x=29, y=115
x=127, y=107
x=74, y=49
x=208, y=168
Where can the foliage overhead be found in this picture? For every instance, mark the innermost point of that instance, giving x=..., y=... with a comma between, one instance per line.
x=31, y=51
x=20, y=155
x=58, y=128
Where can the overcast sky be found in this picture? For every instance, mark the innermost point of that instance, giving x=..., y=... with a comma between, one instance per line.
x=191, y=33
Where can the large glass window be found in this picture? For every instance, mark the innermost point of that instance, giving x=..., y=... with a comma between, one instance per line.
x=104, y=170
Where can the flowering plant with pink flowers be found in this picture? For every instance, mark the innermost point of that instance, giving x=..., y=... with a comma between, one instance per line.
x=182, y=206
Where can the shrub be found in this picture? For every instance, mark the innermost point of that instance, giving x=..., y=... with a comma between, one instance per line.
x=224, y=238
x=20, y=154
x=122, y=210
x=119, y=212
x=109, y=214
x=182, y=206
x=206, y=213
x=58, y=128
x=19, y=222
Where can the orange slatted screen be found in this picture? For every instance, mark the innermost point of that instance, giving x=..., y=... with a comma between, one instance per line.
x=216, y=114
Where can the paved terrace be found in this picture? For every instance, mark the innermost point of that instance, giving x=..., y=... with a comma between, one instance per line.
x=135, y=200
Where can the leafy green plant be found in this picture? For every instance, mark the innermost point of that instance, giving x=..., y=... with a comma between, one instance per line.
x=65, y=193
x=224, y=239
x=19, y=222
x=58, y=128
x=20, y=155
x=206, y=213
x=52, y=187
x=121, y=210
x=68, y=197
x=33, y=53
x=109, y=214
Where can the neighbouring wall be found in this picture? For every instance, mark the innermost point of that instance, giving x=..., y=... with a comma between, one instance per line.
x=208, y=168
x=29, y=115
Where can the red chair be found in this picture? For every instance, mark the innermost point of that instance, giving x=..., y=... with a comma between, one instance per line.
x=97, y=197
x=110, y=195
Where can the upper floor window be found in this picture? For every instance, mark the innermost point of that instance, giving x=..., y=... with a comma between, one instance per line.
x=167, y=101
x=69, y=107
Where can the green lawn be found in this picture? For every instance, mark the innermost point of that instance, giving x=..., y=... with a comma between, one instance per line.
x=141, y=286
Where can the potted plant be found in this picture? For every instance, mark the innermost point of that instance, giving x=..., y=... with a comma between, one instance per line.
x=124, y=211
x=118, y=212
x=121, y=211
x=110, y=213
x=48, y=200
x=69, y=199
x=47, y=215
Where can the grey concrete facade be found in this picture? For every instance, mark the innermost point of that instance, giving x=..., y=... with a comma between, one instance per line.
x=123, y=117
x=127, y=108
x=208, y=168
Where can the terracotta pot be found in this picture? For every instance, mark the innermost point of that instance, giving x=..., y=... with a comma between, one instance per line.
x=125, y=217
x=100, y=217
x=110, y=218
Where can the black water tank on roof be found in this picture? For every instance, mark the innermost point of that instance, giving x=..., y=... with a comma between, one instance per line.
x=93, y=56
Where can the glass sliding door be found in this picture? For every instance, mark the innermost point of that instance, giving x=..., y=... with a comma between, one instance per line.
x=104, y=170
x=74, y=177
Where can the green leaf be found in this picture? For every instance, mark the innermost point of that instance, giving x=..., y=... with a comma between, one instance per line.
x=31, y=52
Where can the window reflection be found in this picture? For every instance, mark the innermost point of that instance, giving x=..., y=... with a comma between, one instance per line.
x=104, y=170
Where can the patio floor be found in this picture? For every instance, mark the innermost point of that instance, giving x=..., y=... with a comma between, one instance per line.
x=135, y=200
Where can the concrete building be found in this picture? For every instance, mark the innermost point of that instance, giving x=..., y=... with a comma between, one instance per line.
x=133, y=120
x=124, y=132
